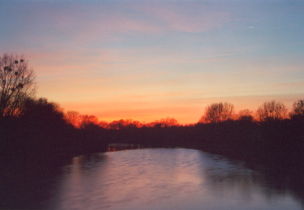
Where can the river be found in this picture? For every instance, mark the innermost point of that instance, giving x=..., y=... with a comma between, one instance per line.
x=144, y=179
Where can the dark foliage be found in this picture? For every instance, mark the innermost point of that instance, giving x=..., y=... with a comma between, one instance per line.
x=40, y=133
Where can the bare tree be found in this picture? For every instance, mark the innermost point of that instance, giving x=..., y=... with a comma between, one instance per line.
x=272, y=110
x=218, y=112
x=73, y=118
x=298, y=109
x=16, y=84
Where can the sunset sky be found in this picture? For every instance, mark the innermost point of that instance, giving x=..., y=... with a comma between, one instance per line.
x=147, y=60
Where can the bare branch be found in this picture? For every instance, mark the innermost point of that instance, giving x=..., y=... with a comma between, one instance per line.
x=16, y=84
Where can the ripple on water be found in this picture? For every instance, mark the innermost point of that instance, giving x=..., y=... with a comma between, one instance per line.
x=159, y=179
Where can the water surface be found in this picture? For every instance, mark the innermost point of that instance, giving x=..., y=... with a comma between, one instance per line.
x=144, y=179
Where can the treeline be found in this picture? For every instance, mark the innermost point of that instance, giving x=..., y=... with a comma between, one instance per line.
x=43, y=131
x=35, y=129
x=273, y=139
x=214, y=113
x=40, y=132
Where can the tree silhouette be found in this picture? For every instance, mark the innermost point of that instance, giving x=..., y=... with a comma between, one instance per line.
x=41, y=110
x=122, y=124
x=218, y=112
x=245, y=115
x=87, y=120
x=164, y=123
x=272, y=110
x=298, y=109
x=16, y=84
x=73, y=118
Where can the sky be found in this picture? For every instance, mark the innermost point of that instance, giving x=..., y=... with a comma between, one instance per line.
x=147, y=60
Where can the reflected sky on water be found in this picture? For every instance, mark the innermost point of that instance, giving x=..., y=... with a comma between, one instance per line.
x=145, y=179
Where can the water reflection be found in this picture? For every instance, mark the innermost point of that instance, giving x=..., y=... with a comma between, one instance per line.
x=145, y=179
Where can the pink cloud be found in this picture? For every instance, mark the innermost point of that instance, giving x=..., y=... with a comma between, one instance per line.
x=105, y=24
x=176, y=17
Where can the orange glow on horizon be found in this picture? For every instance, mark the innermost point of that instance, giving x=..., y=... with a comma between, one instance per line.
x=187, y=113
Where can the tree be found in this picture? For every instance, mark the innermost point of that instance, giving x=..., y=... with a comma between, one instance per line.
x=87, y=120
x=272, y=110
x=165, y=123
x=218, y=112
x=16, y=84
x=41, y=110
x=245, y=115
x=298, y=109
x=121, y=124
x=73, y=118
